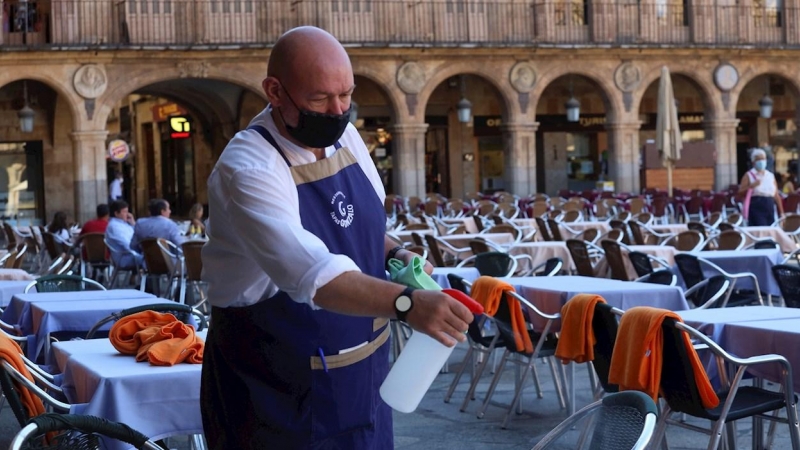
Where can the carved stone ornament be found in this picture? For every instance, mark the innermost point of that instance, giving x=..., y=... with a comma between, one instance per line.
x=726, y=77
x=411, y=78
x=193, y=69
x=522, y=77
x=90, y=81
x=627, y=77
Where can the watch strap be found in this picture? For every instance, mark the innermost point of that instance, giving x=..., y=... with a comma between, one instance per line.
x=401, y=315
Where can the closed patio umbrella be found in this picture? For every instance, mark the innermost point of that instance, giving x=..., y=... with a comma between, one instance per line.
x=668, y=133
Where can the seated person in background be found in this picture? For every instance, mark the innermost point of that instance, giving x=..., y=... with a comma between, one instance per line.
x=196, y=216
x=158, y=225
x=787, y=186
x=97, y=225
x=59, y=228
x=118, y=235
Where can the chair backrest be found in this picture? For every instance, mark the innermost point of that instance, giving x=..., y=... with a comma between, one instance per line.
x=505, y=228
x=542, y=225
x=616, y=262
x=678, y=383
x=605, y=325
x=192, y=254
x=181, y=312
x=417, y=226
x=589, y=234
x=11, y=237
x=494, y=264
x=19, y=256
x=572, y=215
x=663, y=276
x=457, y=283
x=660, y=206
x=555, y=231
x=617, y=224
x=478, y=246
x=436, y=252
x=154, y=258
x=478, y=222
x=734, y=219
x=77, y=432
x=637, y=205
x=714, y=219
x=636, y=232
x=53, y=247
x=580, y=256
x=730, y=240
x=765, y=244
x=697, y=226
x=725, y=226
x=94, y=248
x=417, y=239
x=788, y=278
x=432, y=207
x=690, y=268
x=552, y=267
x=712, y=294
x=64, y=283
x=686, y=241
x=790, y=223
x=621, y=420
x=641, y=263
x=644, y=217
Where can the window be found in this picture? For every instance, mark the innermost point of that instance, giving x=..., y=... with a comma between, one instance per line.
x=768, y=13
x=572, y=12
x=21, y=186
x=672, y=12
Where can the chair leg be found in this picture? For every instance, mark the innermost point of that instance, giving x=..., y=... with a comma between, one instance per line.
x=536, y=382
x=730, y=431
x=476, y=379
x=661, y=428
x=493, y=385
x=467, y=361
x=559, y=377
x=518, y=391
x=791, y=417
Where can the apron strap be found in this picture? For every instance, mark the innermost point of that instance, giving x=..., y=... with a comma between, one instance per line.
x=266, y=135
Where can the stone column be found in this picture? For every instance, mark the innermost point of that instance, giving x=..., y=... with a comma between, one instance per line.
x=723, y=133
x=624, y=155
x=408, y=159
x=89, y=160
x=519, y=172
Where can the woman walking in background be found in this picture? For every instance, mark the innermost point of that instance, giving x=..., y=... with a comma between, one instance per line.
x=765, y=194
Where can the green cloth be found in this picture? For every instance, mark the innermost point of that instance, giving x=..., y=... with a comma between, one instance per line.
x=412, y=275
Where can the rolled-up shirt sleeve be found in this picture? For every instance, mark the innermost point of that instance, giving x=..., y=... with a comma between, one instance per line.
x=266, y=219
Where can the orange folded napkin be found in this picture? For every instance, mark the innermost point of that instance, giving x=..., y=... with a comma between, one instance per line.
x=638, y=355
x=488, y=291
x=161, y=339
x=11, y=352
x=576, y=341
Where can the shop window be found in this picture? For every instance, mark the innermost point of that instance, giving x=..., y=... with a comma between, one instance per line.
x=21, y=187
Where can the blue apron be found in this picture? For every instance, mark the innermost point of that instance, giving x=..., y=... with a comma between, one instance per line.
x=273, y=375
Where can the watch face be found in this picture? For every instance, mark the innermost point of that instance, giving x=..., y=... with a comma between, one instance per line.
x=403, y=303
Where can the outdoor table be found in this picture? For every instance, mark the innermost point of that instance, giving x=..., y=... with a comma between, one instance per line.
x=157, y=401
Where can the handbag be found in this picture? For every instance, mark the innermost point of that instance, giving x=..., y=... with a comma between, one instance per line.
x=747, y=197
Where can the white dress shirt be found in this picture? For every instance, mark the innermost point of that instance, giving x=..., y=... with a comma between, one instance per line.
x=115, y=189
x=257, y=245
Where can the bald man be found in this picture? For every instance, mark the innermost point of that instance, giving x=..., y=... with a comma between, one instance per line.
x=295, y=265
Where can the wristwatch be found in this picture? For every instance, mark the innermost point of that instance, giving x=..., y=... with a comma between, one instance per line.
x=403, y=303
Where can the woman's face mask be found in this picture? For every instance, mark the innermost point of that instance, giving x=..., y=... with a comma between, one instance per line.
x=761, y=164
x=317, y=130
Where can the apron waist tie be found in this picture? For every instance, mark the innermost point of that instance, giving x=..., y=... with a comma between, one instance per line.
x=350, y=358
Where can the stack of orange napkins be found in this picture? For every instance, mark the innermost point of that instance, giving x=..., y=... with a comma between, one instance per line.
x=159, y=338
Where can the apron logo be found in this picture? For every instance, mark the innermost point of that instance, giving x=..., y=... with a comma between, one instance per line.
x=342, y=214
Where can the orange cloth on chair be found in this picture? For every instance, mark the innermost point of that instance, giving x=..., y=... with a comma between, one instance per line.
x=12, y=353
x=576, y=341
x=488, y=291
x=637, y=359
x=161, y=339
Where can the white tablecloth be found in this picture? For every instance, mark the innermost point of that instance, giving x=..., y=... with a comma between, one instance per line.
x=439, y=274
x=8, y=289
x=15, y=275
x=157, y=401
x=542, y=251
x=782, y=337
x=549, y=294
x=759, y=262
x=785, y=241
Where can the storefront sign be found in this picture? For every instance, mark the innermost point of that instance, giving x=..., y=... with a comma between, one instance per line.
x=180, y=127
x=164, y=111
x=118, y=150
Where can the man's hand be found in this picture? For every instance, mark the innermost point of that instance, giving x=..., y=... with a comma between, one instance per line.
x=130, y=219
x=439, y=316
x=406, y=256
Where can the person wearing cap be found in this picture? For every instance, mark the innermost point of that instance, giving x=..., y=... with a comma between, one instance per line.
x=295, y=262
x=766, y=195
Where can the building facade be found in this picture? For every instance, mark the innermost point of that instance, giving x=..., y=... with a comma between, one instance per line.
x=175, y=79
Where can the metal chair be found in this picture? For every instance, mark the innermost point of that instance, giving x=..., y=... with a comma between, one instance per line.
x=679, y=389
x=544, y=231
x=663, y=276
x=117, y=269
x=64, y=283
x=194, y=270
x=616, y=262
x=727, y=240
x=75, y=432
x=709, y=293
x=555, y=231
x=94, y=254
x=579, y=250
x=691, y=268
x=436, y=246
x=180, y=311
x=686, y=241
x=788, y=278
x=162, y=259
x=621, y=420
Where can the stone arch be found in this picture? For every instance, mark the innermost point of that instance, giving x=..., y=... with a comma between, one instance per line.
x=445, y=71
x=145, y=76
x=607, y=90
x=59, y=85
x=753, y=72
x=384, y=82
x=710, y=98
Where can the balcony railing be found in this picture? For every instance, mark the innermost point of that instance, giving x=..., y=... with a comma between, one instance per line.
x=258, y=23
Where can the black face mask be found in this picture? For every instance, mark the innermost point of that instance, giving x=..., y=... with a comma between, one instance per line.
x=317, y=130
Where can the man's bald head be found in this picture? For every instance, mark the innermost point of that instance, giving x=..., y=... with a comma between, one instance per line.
x=305, y=49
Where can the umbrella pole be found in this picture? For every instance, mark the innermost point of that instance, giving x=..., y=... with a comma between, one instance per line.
x=669, y=177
